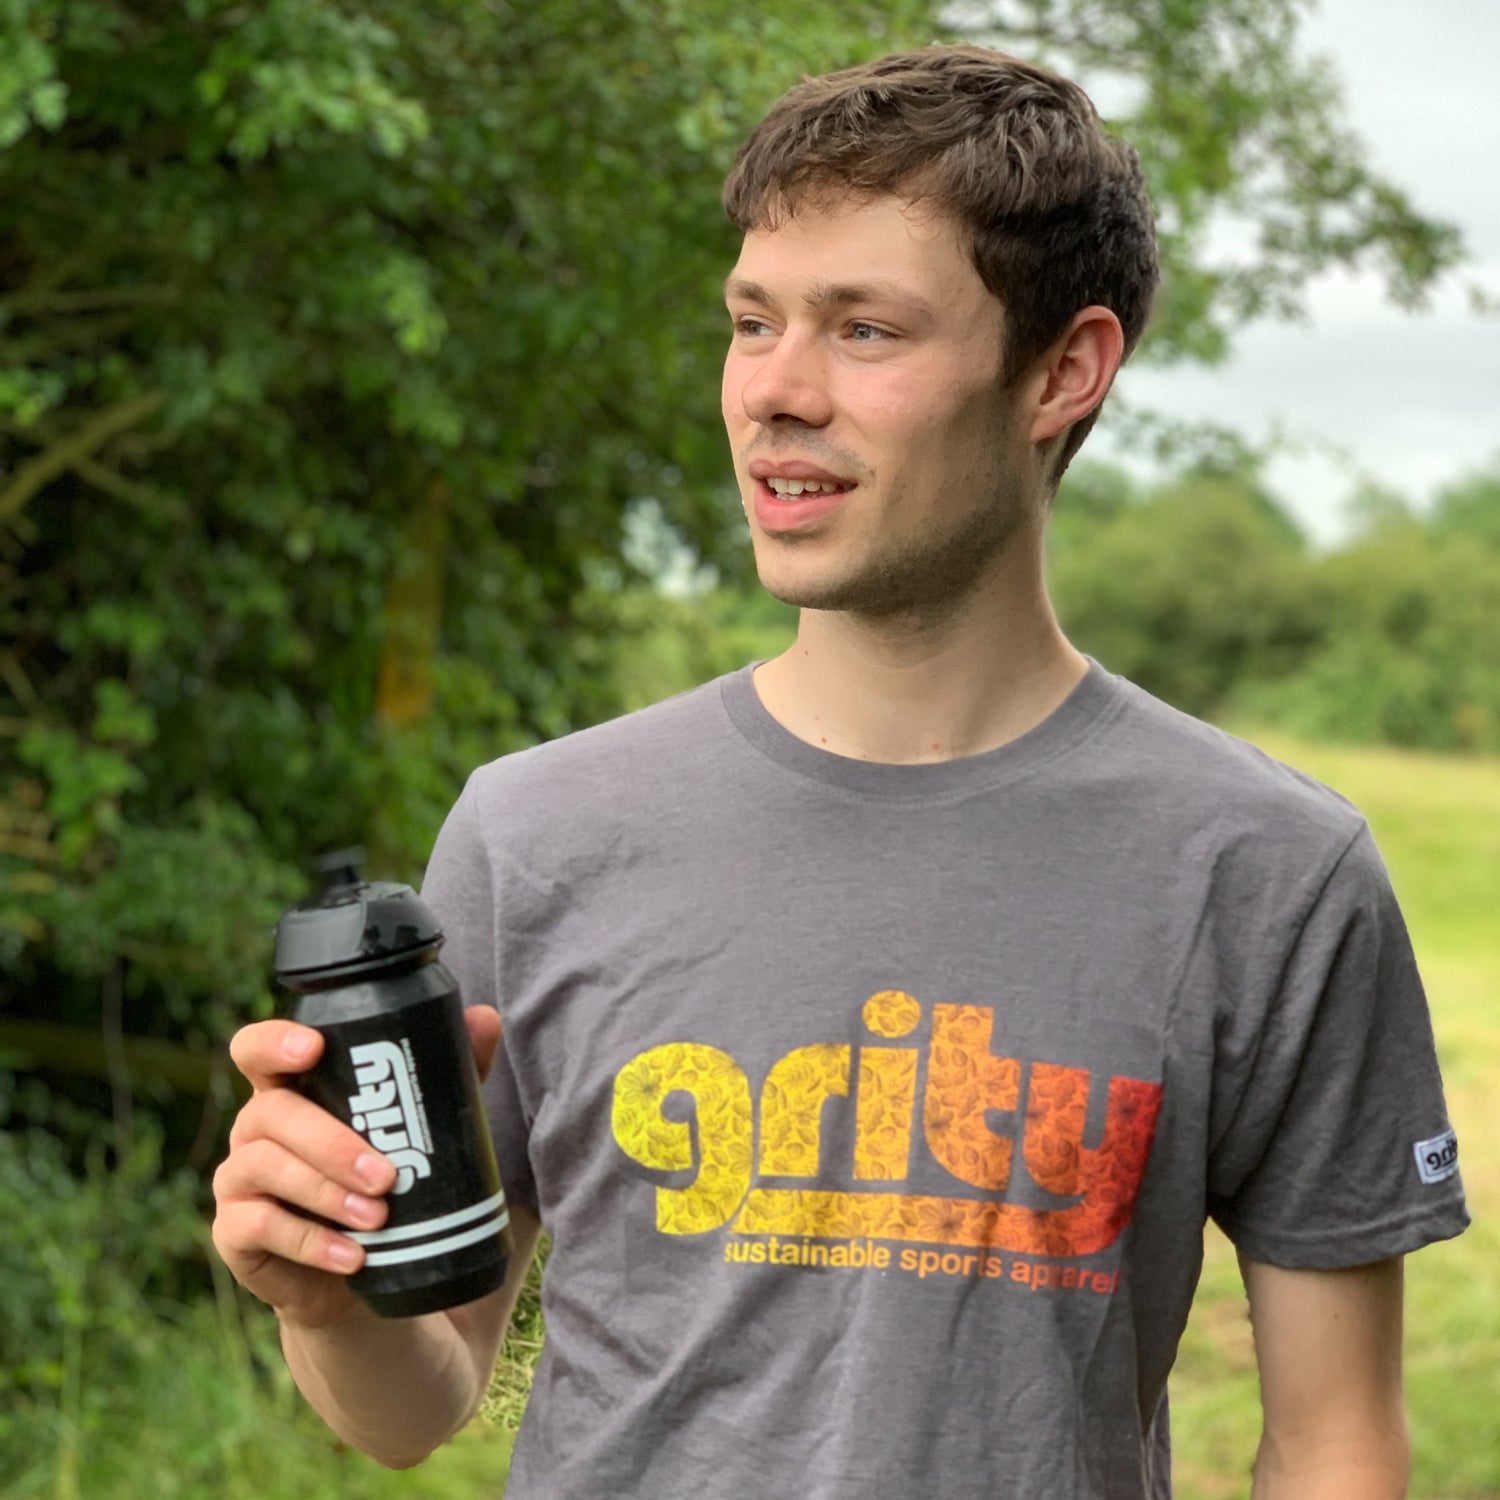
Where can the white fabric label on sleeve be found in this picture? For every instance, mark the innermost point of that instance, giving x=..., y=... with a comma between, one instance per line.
x=1437, y=1159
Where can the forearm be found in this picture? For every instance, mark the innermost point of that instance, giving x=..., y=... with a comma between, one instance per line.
x=395, y=1388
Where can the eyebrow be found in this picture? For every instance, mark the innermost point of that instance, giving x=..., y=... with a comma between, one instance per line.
x=823, y=295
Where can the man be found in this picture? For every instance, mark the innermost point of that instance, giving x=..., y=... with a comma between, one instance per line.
x=882, y=1022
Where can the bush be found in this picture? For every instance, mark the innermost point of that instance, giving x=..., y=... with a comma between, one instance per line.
x=1409, y=641
x=1188, y=591
x=119, y=1382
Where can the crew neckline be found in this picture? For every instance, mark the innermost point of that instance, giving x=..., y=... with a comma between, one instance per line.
x=1087, y=706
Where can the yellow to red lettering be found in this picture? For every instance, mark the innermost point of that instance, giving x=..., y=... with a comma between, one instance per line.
x=686, y=1108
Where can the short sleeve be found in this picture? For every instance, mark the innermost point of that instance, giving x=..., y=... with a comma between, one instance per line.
x=1339, y=1151
x=459, y=888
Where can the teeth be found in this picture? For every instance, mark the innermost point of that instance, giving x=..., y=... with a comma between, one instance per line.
x=803, y=487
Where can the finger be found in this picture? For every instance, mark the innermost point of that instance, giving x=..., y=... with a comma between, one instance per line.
x=312, y=1295
x=247, y=1230
x=308, y=1131
x=264, y=1168
x=484, y=1036
x=267, y=1052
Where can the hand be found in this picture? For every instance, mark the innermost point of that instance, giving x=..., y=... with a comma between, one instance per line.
x=287, y=1159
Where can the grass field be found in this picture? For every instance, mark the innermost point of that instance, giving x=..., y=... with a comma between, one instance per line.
x=1437, y=821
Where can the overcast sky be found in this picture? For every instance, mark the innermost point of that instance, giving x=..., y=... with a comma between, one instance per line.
x=1413, y=399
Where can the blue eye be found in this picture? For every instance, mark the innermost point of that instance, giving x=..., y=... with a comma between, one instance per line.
x=865, y=333
x=754, y=327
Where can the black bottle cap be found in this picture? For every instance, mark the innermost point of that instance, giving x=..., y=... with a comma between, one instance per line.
x=352, y=925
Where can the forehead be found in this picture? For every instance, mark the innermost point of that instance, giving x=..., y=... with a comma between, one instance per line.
x=887, y=241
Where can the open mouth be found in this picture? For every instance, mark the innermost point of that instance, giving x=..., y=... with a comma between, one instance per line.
x=786, y=506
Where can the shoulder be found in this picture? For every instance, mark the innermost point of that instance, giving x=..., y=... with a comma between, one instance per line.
x=1207, y=773
x=642, y=759
x=1185, y=797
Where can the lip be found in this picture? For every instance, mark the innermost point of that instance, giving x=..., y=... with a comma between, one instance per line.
x=782, y=514
x=793, y=468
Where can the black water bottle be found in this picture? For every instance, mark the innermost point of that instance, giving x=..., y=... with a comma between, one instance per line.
x=397, y=1066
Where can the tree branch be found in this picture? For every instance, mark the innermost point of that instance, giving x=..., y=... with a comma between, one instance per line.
x=44, y=341
x=28, y=847
x=78, y=446
x=28, y=303
x=75, y=1049
x=112, y=1030
x=102, y=477
x=14, y=676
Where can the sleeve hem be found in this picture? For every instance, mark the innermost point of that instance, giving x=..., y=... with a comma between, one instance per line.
x=1352, y=1245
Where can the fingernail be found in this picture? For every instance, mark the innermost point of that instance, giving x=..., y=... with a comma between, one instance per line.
x=370, y=1170
x=342, y=1254
x=357, y=1206
x=298, y=1045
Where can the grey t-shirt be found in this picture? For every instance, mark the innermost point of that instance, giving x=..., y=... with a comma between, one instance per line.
x=875, y=1111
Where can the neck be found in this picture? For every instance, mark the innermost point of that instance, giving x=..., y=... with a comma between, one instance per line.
x=925, y=685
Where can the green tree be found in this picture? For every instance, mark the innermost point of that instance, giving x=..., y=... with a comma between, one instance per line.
x=1409, y=632
x=1469, y=509
x=1236, y=127
x=337, y=341
x=340, y=341
x=1188, y=591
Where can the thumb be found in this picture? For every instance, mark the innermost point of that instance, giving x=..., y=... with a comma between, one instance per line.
x=484, y=1036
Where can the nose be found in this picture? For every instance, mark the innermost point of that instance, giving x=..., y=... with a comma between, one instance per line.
x=788, y=383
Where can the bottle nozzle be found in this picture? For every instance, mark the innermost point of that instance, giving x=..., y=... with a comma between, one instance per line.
x=339, y=868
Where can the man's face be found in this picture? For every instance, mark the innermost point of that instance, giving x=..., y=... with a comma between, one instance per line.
x=865, y=362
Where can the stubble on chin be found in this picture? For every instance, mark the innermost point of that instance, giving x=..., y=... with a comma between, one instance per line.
x=922, y=579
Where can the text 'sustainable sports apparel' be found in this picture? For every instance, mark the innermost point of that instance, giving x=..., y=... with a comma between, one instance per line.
x=875, y=1111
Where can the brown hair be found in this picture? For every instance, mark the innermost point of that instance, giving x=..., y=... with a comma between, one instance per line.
x=1054, y=208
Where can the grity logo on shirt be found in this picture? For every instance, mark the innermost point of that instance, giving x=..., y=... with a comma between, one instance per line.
x=1094, y=1187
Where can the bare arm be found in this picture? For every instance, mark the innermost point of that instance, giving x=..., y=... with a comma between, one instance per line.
x=1328, y=1346
x=346, y=1368
x=394, y=1388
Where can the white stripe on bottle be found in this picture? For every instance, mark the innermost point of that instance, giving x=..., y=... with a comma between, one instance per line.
x=438, y=1247
x=427, y=1226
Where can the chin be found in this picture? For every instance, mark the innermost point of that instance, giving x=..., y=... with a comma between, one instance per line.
x=795, y=579
x=855, y=594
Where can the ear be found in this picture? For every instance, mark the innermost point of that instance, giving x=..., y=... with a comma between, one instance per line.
x=1075, y=374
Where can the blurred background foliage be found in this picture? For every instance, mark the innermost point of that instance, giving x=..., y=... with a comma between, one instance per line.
x=358, y=424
